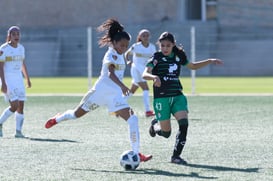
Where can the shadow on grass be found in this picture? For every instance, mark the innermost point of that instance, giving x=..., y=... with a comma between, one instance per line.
x=52, y=140
x=222, y=168
x=148, y=172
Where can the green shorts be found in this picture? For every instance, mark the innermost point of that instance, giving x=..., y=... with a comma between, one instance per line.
x=166, y=106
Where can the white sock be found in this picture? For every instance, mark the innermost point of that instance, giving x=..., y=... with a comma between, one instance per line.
x=5, y=115
x=19, y=121
x=134, y=133
x=67, y=115
x=146, y=100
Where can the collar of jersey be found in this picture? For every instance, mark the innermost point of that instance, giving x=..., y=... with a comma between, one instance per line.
x=169, y=56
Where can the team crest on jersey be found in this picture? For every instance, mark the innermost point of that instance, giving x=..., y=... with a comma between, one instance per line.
x=1, y=53
x=155, y=62
x=164, y=59
x=114, y=57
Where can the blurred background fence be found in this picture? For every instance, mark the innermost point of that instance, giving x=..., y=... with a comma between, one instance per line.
x=239, y=32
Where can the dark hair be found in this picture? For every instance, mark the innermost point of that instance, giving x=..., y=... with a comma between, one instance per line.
x=114, y=31
x=166, y=36
x=177, y=50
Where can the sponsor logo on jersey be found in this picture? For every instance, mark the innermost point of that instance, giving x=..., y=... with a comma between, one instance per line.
x=172, y=68
x=120, y=66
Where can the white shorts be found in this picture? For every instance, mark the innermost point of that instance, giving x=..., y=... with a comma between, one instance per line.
x=16, y=88
x=93, y=99
x=136, y=73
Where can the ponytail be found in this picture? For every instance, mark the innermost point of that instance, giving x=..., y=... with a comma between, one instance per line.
x=178, y=51
x=114, y=31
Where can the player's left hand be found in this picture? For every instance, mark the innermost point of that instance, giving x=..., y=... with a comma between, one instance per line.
x=216, y=61
x=28, y=84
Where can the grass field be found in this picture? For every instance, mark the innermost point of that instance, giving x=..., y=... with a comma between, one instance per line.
x=223, y=85
x=230, y=138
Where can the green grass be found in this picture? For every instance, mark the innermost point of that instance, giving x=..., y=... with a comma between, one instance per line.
x=229, y=138
x=204, y=85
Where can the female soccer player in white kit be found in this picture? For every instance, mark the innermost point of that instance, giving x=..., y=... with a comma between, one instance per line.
x=109, y=89
x=141, y=51
x=12, y=56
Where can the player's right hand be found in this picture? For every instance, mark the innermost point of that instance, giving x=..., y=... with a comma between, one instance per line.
x=157, y=81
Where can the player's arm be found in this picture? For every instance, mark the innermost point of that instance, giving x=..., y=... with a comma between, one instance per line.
x=203, y=63
x=128, y=55
x=147, y=75
x=2, y=74
x=114, y=78
x=25, y=73
x=2, y=77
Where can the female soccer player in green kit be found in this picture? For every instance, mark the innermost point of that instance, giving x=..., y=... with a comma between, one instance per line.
x=164, y=69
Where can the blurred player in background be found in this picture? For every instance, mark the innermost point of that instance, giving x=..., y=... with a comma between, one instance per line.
x=12, y=65
x=141, y=51
x=164, y=69
x=109, y=89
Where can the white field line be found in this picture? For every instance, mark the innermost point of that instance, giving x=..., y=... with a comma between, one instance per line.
x=202, y=94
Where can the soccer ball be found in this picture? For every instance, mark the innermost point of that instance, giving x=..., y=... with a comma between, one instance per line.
x=129, y=160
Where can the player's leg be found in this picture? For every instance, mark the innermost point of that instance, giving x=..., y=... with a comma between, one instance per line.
x=181, y=136
x=146, y=98
x=180, y=111
x=161, y=125
x=132, y=120
x=87, y=104
x=19, y=118
x=134, y=75
x=7, y=113
x=160, y=128
x=128, y=115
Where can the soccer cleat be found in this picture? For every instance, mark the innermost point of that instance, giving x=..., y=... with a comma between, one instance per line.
x=149, y=113
x=19, y=134
x=51, y=122
x=152, y=129
x=1, y=132
x=144, y=158
x=178, y=160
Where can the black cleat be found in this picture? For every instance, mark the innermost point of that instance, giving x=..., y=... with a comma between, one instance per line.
x=152, y=129
x=178, y=160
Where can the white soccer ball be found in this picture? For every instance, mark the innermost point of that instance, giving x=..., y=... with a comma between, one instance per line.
x=129, y=160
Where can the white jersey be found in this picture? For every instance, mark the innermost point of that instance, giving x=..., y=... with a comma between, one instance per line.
x=105, y=91
x=13, y=60
x=141, y=54
x=112, y=57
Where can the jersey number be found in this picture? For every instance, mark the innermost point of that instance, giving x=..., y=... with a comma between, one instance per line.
x=158, y=106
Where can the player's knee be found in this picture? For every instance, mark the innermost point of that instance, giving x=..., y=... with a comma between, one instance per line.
x=13, y=108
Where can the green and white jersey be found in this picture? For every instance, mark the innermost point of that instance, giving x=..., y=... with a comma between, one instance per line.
x=167, y=68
